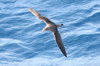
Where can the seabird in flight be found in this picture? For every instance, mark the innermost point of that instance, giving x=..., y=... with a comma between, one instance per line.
x=53, y=28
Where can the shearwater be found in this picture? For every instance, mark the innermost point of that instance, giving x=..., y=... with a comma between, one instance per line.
x=52, y=27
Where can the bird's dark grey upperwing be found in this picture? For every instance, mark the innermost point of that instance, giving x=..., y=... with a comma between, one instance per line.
x=45, y=19
x=58, y=39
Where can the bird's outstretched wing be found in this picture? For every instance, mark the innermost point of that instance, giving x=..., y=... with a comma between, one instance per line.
x=58, y=39
x=45, y=19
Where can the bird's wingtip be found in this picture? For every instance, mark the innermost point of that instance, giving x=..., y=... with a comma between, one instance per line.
x=29, y=9
x=65, y=55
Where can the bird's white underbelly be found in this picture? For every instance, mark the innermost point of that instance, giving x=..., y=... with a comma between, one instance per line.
x=51, y=29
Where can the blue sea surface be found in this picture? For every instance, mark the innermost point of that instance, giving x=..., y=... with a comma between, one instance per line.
x=22, y=43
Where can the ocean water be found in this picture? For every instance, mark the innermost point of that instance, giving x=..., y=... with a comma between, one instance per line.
x=22, y=43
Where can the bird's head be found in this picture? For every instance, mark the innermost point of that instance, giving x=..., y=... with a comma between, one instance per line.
x=61, y=24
